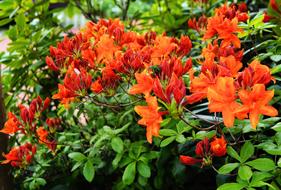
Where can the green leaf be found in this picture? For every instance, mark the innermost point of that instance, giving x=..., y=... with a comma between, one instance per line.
x=231, y=186
x=275, y=58
x=273, y=151
x=20, y=20
x=167, y=141
x=247, y=151
x=117, y=159
x=276, y=69
x=89, y=171
x=277, y=127
x=117, y=144
x=143, y=169
x=231, y=152
x=165, y=122
x=167, y=132
x=76, y=165
x=180, y=139
x=245, y=172
x=182, y=127
x=262, y=164
x=129, y=174
x=5, y=21
x=260, y=176
x=227, y=168
x=77, y=156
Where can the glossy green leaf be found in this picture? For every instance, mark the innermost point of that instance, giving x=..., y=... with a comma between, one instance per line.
x=245, y=172
x=89, y=171
x=117, y=144
x=129, y=174
x=143, y=169
x=262, y=164
x=227, y=168
x=247, y=151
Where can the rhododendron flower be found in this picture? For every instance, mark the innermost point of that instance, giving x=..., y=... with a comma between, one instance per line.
x=20, y=156
x=97, y=86
x=75, y=81
x=144, y=84
x=50, y=62
x=185, y=45
x=43, y=138
x=53, y=124
x=27, y=115
x=222, y=98
x=199, y=85
x=151, y=118
x=105, y=49
x=218, y=146
x=255, y=103
x=232, y=64
x=12, y=125
x=174, y=66
x=205, y=151
x=199, y=25
x=175, y=89
x=256, y=73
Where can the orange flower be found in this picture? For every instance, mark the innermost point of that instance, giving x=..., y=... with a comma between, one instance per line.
x=20, y=156
x=218, y=146
x=256, y=73
x=227, y=32
x=222, y=99
x=199, y=86
x=151, y=118
x=231, y=63
x=96, y=86
x=145, y=84
x=12, y=125
x=43, y=138
x=225, y=29
x=105, y=48
x=255, y=103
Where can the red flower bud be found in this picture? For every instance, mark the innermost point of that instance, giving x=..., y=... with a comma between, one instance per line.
x=187, y=160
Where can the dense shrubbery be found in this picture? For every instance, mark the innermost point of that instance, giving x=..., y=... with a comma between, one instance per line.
x=130, y=108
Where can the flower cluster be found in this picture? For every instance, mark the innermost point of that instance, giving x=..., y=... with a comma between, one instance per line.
x=103, y=55
x=20, y=156
x=234, y=93
x=28, y=125
x=205, y=151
